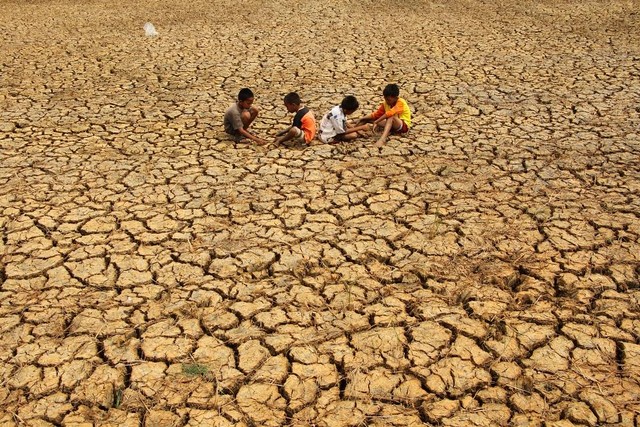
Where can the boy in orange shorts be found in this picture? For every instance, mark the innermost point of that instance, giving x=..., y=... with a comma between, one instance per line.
x=393, y=115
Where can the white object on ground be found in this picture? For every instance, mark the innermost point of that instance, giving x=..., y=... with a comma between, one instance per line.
x=150, y=30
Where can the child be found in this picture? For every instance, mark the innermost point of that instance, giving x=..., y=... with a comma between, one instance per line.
x=393, y=115
x=239, y=117
x=334, y=127
x=303, y=128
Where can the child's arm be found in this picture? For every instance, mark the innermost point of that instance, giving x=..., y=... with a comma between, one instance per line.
x=395, y=111
x=355, y=129
x=366, y=119
x=253, y=138
x=377, y=121
x=284, y=136
x=373, y=116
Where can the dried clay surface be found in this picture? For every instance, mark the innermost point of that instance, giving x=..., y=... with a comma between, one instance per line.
x=481, y=270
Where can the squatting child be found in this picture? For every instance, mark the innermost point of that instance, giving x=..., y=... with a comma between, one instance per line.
x=303, y=127
x=239, y=117
x=393, y=114
x=334, y=126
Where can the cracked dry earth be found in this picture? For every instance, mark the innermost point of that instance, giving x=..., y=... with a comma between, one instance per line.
x=482, y=270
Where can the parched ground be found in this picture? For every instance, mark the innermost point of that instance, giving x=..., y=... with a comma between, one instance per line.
x=481, y=271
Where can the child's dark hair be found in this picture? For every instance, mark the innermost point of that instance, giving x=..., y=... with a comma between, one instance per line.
x=349, y=103
x=391, y=90
x=292, y=98
x=245, y=93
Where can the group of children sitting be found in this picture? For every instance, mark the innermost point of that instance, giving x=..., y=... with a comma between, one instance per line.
x=393, y=116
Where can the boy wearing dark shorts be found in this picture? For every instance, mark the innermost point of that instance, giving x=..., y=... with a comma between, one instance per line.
x=239, y=117
x=334, y=126
x=303, y=127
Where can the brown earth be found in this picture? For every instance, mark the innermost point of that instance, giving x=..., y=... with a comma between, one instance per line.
x=482, y=270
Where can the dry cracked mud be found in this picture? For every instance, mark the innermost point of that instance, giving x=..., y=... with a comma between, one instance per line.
x=482, y=270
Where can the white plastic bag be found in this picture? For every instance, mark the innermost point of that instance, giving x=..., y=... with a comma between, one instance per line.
x=150, y=30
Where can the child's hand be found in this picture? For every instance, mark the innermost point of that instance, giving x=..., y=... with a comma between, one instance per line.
x=364, y=130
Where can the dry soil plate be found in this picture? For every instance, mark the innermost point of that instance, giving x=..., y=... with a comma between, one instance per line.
x=482, y=270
